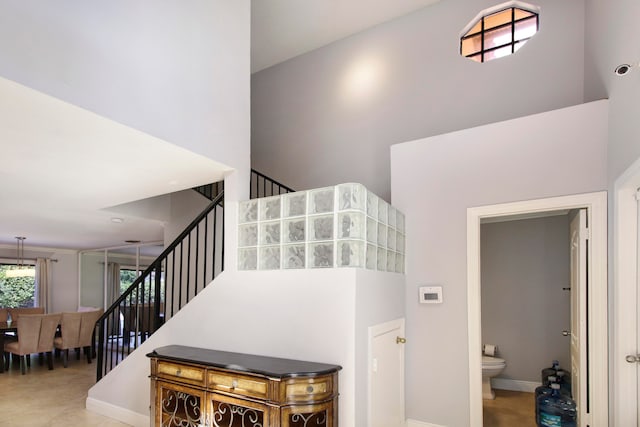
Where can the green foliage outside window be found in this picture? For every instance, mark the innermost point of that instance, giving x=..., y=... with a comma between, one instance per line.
x=15, y=291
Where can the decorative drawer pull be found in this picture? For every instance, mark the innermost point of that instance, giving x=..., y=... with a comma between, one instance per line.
x=178, y=372
x=234, y=383
x=309, y=389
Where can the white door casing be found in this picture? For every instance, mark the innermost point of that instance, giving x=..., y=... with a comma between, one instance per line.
x=386, y=374
x=596, y=206
x=626, y=229
x=578, y=235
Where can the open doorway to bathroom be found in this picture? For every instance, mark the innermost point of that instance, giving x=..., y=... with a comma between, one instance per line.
x=551, y=217
x=525, y=306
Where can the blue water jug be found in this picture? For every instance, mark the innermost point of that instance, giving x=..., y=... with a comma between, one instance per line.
x=556, y=409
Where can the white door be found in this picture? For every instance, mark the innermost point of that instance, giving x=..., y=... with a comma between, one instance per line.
x=579, y=277
x=629, y=358
x=386, y=374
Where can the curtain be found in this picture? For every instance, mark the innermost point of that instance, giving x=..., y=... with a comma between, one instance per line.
x=113, y=282
x=43, y=279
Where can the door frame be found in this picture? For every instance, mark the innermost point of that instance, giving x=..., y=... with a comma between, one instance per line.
x=596, y=205
x=374, y=331
x=625, y=295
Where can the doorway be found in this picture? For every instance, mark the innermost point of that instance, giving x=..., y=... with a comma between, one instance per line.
x=626, y=282
x=596, y=315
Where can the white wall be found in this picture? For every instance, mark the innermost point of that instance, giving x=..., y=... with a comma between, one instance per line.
x=434, y=181
x=64, y=281
x=317, y=315
x=315, y=123
x=524, y=268
x=178, y=73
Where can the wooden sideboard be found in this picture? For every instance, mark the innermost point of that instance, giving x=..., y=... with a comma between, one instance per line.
x=194, y=387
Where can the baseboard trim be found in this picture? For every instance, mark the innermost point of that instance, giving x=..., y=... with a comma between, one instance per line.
x=514, y=385
x=414, y=423
x=121, y=414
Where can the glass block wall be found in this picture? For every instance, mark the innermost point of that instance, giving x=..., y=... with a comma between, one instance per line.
x=341, y=226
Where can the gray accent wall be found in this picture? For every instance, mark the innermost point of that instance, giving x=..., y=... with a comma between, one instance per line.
x=331, y=115
x=434, y=180
x=524, y=266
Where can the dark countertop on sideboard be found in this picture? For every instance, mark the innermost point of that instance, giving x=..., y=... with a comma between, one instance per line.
x=272, y=367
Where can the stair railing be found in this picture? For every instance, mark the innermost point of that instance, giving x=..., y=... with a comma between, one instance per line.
x=183, y=269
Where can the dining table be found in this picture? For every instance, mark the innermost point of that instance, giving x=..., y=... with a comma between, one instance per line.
x=6, y=327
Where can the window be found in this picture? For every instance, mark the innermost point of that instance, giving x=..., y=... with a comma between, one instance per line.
x=17, y=290
x=498, y=33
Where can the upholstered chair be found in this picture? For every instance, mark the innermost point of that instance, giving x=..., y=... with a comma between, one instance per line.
x=4, y=314
x=69, y=334
x=28, y=339
x=17, y=312
x=87, y=327
x=48, y=330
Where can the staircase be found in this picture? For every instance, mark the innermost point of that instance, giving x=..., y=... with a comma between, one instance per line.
x=183, y=269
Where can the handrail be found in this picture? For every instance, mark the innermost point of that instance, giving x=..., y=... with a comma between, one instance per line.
x=145, y=305
x=268, y=188
x=160, y=291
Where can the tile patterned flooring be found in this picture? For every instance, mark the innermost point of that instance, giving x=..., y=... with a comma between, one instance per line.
x=43, y=398
x=509, y=409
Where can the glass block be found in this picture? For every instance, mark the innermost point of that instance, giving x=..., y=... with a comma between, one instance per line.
x=247, y=259
x=351, y=253
x=351, y=196
x=383, y=211
x=321, y=227
x=382, y=235
x=294, y=256
x=294, y=230
x=270, y=207
x=351, y=225
x=321, y=201
x=372, y=204
x=248, y=235
x=400, y=242
x=400, y=221
x=391, y=238
x=392, y=216
x=372, y=251
x=270, y=233
x=391, y=261
x=295, y=204
x=382, y=259
x=270, y=258
x=248, y=211
x=399, y=263
x=320, y=255
x=372, y=230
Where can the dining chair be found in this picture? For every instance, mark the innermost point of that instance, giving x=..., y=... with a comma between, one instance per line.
x=87, y=328
x=17, y=312
x=4, y=314
x=69, y=334
x=48, y=330
x=28, y=340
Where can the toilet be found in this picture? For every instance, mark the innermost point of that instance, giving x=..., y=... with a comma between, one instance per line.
x=491, y=367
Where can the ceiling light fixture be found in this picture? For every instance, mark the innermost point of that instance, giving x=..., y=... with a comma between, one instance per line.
x=623, y=69
x=20, y=270
x=117, y=220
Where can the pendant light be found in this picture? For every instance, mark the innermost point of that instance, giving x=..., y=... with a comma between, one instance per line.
x=21, y=270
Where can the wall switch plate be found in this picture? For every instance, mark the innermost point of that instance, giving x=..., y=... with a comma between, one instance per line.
x=431, y=295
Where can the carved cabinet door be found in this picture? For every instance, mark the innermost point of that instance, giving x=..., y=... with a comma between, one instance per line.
x=315, y=415
x=178, y=406
x=226, y=411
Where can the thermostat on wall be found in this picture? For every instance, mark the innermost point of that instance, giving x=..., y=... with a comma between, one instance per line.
x=431, y=294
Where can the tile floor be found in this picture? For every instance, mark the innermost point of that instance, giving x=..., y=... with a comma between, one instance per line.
x=509, y=409
x=43, y=398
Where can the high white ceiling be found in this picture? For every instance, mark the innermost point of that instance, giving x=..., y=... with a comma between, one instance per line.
x=49, y=145
x=62, y=167
x=282, y=29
